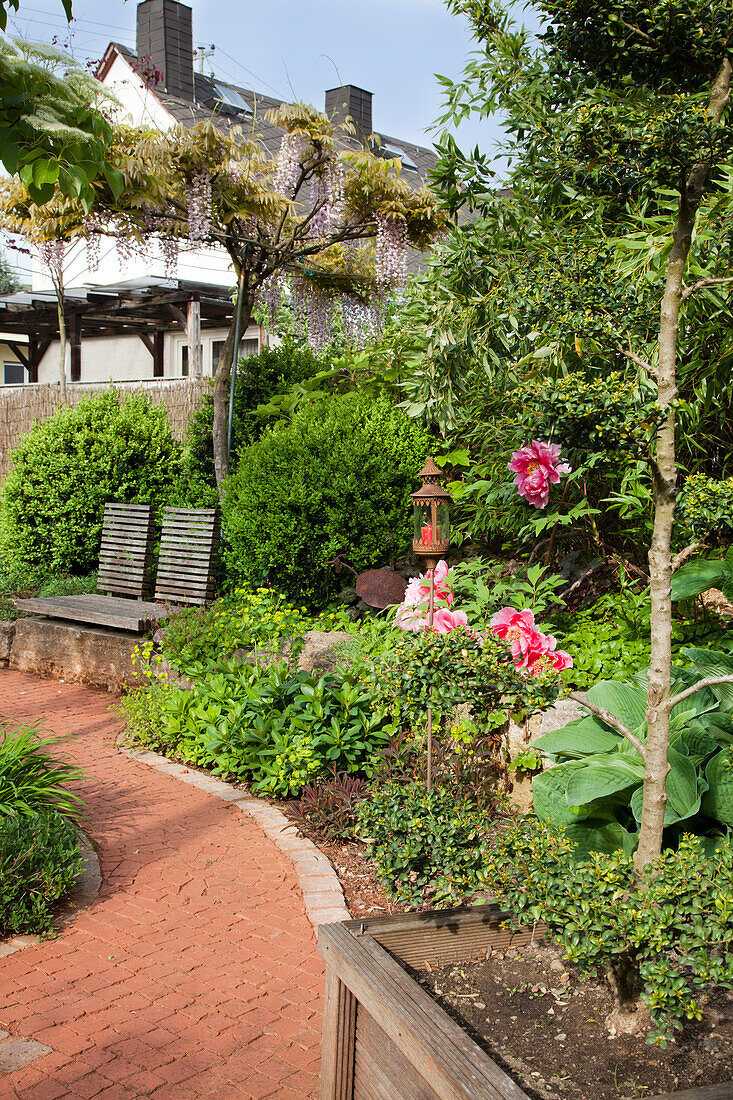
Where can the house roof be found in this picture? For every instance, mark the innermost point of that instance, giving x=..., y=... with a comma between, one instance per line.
x=207, y=90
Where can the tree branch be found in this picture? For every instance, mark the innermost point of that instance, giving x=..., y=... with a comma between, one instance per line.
x=710, y=681
x=684, y=555
x=612, y=721
x=707, y=280
x=647, y=39
x=635, y=358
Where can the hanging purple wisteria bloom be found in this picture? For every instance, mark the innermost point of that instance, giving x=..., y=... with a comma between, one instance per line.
x=391, y=263
x=270, y=295
x=52, y=254
x=288, y=168
x=169, y=251
x=312, y=312
x=198, y=197
x=363, y=321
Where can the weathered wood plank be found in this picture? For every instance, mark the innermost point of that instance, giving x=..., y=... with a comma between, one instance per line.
x=379, y=1063
x=98, y=610
x=339, y=1030
x=187, y=555
x=439, y=1051
x=723, y=1091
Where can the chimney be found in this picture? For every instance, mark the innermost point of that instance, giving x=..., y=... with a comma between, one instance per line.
x=351, y=102
x=165, y=37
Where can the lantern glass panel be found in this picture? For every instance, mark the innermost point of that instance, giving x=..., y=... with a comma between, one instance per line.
x=442, y=513
x=423, y=534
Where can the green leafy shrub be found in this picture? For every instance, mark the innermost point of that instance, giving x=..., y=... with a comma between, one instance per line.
x=705, y=506
x=595, y=791
x=427, y=844
x=39, y=861
x=259, y=378
x=335, y=481
x=33, y=779
x=276, y=729
x=66, y=467
x=246, y=619
x=669, y=936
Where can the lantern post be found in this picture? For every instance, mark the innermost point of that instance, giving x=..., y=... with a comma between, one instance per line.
x=431, y=541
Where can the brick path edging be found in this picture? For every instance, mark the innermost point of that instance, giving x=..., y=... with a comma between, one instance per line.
x=322, y=893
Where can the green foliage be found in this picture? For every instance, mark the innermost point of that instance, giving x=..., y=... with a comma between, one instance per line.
x=32, y=778
x=51, y=132
x=247, y=619
x=276, y=729
x=444, y=670
x=695, y=577
x=481, y=589
x=673, y=934
x=259, y=378
x=66, y=467
x=336, y=481
x=427, y=844
x=329, y=806
x=595, y=790
x=39, y=862
x=706, y=506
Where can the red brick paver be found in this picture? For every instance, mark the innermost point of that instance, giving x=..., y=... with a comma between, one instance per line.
x=194, y=973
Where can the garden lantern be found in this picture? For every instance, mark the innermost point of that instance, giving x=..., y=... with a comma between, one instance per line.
x=431, y=505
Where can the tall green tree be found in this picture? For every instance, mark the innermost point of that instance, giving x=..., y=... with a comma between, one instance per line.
x=618, y=225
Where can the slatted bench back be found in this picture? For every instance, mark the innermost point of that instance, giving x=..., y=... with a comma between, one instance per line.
x=187, y=559
x=126, y=553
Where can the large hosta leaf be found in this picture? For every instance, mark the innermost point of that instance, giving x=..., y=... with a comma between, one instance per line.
x=683, y=790
x=601, y=777
x=592, y=834
x=548, y=793
x=711, y=662
x=695, y=577
x=626, y=701
x=577, y=739
x=718, y=801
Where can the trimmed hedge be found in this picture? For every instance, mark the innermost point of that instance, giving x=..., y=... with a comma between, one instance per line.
x=66, y=467
x=335, y=480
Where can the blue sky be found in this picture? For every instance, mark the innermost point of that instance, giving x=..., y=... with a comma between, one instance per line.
x=296, y=49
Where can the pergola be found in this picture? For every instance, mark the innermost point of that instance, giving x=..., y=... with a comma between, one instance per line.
x=146, y=308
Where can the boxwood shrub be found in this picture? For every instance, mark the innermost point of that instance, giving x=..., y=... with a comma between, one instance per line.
x=334, y=481
x=65, y=468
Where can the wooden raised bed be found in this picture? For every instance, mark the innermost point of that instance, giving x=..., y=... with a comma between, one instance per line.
x=385, y=1038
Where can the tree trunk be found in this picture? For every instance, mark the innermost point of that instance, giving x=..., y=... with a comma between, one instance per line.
x=222, y=378
x=58, y=285
x=665, y=487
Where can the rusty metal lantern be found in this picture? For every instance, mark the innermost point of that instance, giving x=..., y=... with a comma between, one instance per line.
x=431, y=506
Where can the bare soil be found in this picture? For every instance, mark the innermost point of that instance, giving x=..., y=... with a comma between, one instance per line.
x=534, y=1015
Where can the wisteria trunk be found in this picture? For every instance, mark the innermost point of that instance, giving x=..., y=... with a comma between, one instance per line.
x=665, y=489
x=222, y=379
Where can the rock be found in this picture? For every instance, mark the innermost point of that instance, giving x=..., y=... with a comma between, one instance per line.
x=173, y=676
x=556, y=964
x=77, y=654
x=7, y=630
x=318, y=654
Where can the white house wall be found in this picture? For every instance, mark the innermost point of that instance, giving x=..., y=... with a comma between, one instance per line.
x=125, y=358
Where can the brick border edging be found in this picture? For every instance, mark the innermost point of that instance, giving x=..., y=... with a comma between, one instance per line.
x=83, y=892
x=321, y=889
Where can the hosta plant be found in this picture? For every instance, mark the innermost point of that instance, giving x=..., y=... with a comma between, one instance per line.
x=595, y=790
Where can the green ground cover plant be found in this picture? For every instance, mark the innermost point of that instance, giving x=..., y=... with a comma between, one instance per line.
x=39, y=862
x=39, y=851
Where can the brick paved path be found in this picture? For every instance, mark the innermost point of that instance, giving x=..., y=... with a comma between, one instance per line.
x=195, y=972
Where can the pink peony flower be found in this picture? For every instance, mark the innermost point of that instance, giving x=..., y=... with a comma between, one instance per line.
x=444, y=620
x=509, y=623
x=537, y=465
x=561, y=660
x=532, y=651
x=410, y=618
x=418, y=589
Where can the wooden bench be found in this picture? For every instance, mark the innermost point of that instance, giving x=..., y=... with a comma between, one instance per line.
x=188, y=552
x=186, y=569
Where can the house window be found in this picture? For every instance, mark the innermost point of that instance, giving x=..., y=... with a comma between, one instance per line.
x=247, y=347
x=184, y=358
x=13, y=374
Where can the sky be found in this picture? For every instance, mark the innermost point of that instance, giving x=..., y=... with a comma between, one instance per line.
x=296, y=49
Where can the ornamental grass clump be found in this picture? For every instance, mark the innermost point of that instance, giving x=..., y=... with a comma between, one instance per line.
x=32, y=778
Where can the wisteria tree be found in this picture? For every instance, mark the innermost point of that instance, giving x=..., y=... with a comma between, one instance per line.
x=293, y=226
x=619, y=141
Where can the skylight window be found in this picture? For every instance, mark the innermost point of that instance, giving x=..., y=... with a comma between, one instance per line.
x=392, y=151
x=229, y=100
